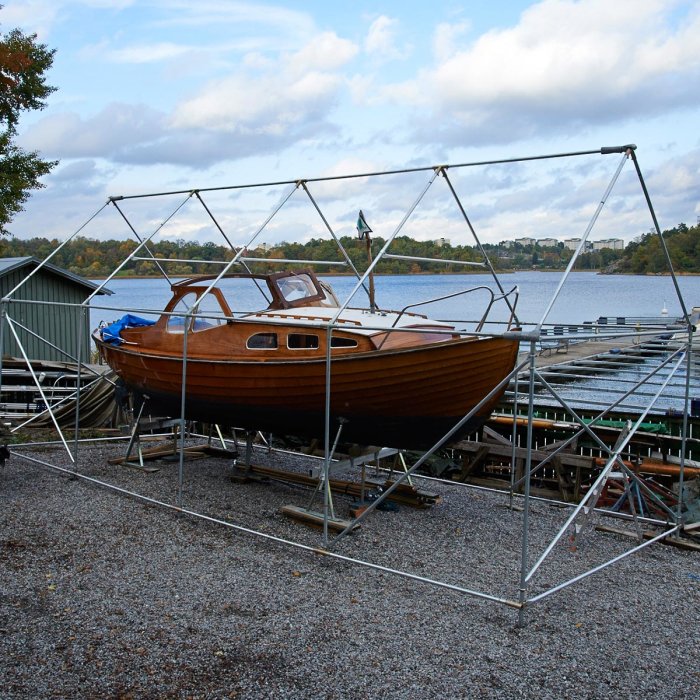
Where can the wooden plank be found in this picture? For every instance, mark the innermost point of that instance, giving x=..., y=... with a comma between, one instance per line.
x=650, y=534
x=565, y=485
x=568, y=459
x=468, y=465
x=315, y=518
x=159, y=452
x=609, y=529
x=496, y=436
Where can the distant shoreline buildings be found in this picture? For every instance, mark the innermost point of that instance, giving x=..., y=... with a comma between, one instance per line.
x=569, y=243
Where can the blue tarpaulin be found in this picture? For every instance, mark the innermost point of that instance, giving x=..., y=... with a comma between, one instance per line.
x=112, y=333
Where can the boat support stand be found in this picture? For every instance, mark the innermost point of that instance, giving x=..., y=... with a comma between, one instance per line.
x=318, y=518
x=246, y=474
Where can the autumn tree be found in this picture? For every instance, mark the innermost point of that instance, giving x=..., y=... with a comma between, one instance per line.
x=23, y=64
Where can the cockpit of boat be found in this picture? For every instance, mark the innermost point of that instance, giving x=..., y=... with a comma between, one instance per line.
x=286, y=290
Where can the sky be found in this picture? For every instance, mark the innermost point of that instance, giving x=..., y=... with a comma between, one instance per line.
x=157, y=96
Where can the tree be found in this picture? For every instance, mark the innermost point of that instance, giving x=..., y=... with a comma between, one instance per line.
x=23, y=63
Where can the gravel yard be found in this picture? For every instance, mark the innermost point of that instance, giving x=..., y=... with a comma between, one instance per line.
x=103, y=595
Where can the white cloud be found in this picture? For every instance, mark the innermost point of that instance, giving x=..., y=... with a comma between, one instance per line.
x=381, y=40
x=148, y=53
x=341, y=189
x=673, y=187
x=32, y=16
x=275, y=18
x=110, y=132
x=445, y=39
x=564, y=64
x=300, y=87
x=267, y=104
x=327, y=51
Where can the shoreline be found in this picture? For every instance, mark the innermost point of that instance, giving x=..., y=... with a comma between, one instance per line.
x=435, y=274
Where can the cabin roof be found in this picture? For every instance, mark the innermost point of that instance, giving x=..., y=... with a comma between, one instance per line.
x=360, y=321
x=8, y=265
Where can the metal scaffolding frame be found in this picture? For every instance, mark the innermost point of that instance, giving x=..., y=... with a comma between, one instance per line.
x=522, y=599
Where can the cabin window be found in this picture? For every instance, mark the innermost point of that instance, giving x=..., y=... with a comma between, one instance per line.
x=209, y=313
x=338, y=342
x=302, y=341
x=176, y=323
x=262, y=341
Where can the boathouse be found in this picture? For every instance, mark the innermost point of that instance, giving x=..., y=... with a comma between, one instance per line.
x=59, y=320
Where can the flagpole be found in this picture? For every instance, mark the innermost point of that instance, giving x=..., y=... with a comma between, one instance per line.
x=372, y=305
x=363, y=231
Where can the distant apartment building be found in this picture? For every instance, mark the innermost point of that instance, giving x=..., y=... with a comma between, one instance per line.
x=612, y=243
x=441, y=242
x=569, y=243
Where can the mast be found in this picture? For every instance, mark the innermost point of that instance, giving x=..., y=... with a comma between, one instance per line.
x=363, y=231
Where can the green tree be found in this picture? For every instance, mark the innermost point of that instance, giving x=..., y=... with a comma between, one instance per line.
x=23, y=63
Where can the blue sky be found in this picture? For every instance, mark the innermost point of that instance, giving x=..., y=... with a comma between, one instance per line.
x=160, y=95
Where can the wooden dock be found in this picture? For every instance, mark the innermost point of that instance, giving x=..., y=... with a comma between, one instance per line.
x=490, y=458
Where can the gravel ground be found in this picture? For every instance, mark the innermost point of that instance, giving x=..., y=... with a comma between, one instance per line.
x=106, y=596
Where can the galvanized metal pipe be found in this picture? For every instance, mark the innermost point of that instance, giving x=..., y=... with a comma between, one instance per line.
x=330, y=230
x=429, y=452
x=390, y=240
x=143, y=244
x=38, y=386
x=686, y=411
x=376, y=173
x=183, y=397
x=584, y=238
x=274, y=538
x=602, y=566
x=54, y=252
x=603, y=475
x=87, y=367
x=525, y=541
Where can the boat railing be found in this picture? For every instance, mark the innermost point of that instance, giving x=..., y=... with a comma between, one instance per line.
x=480, y=325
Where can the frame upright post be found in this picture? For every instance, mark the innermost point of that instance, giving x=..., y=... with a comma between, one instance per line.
x=522, y=593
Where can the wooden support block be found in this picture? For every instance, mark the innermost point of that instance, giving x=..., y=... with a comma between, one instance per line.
x=676, y=541
x=315, y=518
x=160, y=452
x=630, y=534
x=189, y=454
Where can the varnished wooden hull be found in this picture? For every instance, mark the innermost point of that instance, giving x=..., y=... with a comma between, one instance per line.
x=405, y=398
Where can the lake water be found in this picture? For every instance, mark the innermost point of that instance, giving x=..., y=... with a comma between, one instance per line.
x=584, y=297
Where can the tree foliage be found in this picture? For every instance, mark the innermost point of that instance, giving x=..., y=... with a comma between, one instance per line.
x=23, y=64
x=93, y=258
x=645, y=255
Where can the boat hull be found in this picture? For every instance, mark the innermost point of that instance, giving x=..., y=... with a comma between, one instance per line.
x=406, y=398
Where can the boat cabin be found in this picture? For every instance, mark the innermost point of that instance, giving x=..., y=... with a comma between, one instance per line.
x=292, y=324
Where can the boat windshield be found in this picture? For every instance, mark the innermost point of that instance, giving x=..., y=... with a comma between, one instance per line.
x=209, y=313
x=299, y=286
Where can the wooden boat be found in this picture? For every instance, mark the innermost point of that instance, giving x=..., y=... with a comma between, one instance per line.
x=396, y=378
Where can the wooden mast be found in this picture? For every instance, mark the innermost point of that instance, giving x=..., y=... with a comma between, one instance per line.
x=363, y=231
